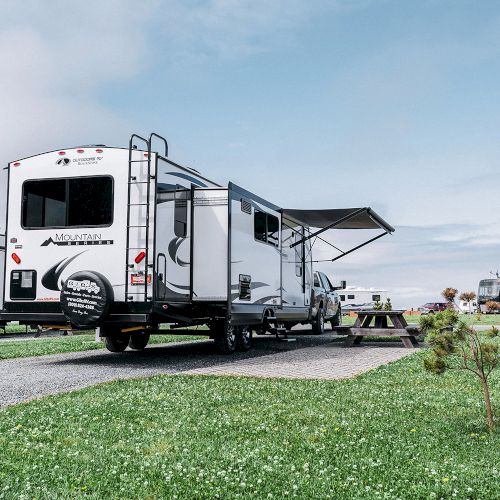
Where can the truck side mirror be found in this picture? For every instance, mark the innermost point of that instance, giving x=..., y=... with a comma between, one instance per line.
x=343, y=284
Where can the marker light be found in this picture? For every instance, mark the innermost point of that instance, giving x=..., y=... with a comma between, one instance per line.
x=98, y=150
x=80, y=150
x=16, y=258
x=140, y=257
x=146, y=154
x=13, y=240
x=17, y=164
x=62, y=153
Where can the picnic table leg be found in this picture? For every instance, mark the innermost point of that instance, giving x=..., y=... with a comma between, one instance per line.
x=349, y=340
x=407, y=342
x=358, y=339
x=414, y=340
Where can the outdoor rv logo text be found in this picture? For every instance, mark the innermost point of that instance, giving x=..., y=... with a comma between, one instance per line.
x=86, y=286
x=82, y=239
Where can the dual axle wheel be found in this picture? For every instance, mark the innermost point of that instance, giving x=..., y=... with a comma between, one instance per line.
x=229, y=338
x=120, y=341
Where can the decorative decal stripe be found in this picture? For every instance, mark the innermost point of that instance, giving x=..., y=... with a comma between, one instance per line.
x=50, y=279
x=188, y=178
x=76, y=243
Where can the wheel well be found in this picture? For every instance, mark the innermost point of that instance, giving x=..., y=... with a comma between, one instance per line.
x=321, y=304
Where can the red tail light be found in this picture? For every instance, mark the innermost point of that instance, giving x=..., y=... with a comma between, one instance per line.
x=16, y=258
x=80, y=150
x=140, y=257
x=98, y=150
x=62, y=153
x=17, y=164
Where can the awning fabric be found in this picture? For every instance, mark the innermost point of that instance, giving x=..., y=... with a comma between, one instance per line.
x=339, y=218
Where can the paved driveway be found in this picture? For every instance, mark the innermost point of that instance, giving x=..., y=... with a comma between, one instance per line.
x=310, y=357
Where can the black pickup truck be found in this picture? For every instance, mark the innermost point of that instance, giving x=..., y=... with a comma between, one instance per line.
x=325, y=304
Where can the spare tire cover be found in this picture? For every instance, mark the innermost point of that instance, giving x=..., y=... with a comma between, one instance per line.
x=85, y=298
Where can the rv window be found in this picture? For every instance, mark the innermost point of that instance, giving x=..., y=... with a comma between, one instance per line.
x=266, y=228
x=83, y=201
x=259, y=219
x=181, y=212
x=342, y=298
x=376, y=298
x=350, y=297
x=273, y=230
x=299, y=252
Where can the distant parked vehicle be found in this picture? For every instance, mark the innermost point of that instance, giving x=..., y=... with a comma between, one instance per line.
x=354, y=298
x=433, y=307
x=489, y=290
x=325, y=303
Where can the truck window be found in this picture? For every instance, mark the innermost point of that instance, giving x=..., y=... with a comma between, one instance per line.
x=71, y=202
x=316, y=280
x=326, y=282
x=266, y=228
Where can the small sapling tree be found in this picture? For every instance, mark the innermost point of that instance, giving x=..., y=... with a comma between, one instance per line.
x=492, y=306
x=449, y=295
x=458, y=346
x=468, y=297
x=388, y=305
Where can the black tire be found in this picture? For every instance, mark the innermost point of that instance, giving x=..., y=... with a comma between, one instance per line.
x=318, y=326
x=225, y=337
x=244, y=338
x=138, y=341
x=337, y=319
x=117, y=343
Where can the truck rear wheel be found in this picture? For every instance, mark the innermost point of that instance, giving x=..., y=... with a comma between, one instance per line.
x=318, y=326
x=138, y=341
x=117, y=342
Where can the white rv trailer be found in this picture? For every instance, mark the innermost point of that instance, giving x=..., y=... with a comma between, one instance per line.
x=353, y=298
x=126, y=239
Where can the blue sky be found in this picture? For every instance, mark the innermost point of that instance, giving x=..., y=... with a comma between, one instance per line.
x=392, y=104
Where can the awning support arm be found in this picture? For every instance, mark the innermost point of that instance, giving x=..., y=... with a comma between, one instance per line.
x=353, y=249
x=330, y=226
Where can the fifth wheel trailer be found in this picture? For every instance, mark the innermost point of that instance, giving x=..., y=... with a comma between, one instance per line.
x=125, y=239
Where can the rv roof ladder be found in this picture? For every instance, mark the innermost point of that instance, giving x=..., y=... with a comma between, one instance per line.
x=132, y=180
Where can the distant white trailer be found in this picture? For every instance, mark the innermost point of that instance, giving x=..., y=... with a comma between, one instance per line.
x=2, y=260
x=353, y=298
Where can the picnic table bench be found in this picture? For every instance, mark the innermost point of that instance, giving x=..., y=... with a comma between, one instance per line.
x=381, y=328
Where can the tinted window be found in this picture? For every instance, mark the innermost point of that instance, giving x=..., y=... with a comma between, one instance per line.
x=181, y=212
x=376, y=297
x=316, y=280
x=85, y=201
x=299, y=251
x=350, y=297
x=266, y=228
x=259, y=219
x=326, y=282
x=342, y=297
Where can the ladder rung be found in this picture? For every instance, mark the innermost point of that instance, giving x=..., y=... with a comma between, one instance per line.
x=138, y=182
x=137, y=161
x=137, y=204
x=136, y=226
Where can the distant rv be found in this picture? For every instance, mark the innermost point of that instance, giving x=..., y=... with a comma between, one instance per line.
x=353, y=298
x=489, y=289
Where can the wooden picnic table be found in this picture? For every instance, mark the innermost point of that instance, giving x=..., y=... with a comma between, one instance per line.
x=386, y=324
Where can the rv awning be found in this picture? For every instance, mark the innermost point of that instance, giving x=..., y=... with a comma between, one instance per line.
x=338, y=218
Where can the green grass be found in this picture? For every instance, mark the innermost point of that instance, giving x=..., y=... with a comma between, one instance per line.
x=59, y=344
x=395, y=432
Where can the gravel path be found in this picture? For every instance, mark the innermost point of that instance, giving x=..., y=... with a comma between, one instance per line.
x=310, y=356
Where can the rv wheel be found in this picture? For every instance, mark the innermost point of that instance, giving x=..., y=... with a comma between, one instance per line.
x=318, y=327
x=225, y=337
x=138, y=341
x=117, y=343
x=244, y=338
